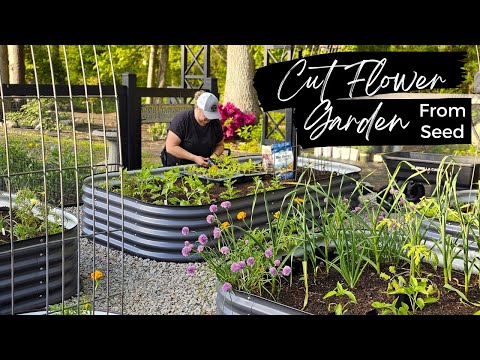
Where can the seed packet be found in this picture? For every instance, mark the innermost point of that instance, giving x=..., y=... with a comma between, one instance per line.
x=282, y=155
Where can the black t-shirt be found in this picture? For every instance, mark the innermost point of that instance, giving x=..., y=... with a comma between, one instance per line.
x=196, y=139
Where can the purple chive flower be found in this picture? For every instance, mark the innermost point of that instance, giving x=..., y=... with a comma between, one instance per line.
x=268, y=253
x=191, y=269
x=235, y=267
x=213, y=208
x=186, y=243
x=250, y=261
x=273, y=271
x=276, y=262
x=325, y=200
x=224, y=250
x=380, y=218
x=185, y=230
x=202, y=239
x=210, y=219
x=241, y=264
x=200, y=248
x=227, y=287
x=187, y=249
x=400, y=202
x=226, y=204
x=357, y=209
x=216, y=233
x=286, y=270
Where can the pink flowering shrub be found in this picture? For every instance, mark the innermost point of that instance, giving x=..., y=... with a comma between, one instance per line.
x=232, y=119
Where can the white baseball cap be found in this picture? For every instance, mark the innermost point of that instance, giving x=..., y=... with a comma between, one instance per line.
x=209, y=104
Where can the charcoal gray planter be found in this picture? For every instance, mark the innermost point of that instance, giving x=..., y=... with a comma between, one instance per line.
x=29, y=263
x=241, y=303
x=154, y=231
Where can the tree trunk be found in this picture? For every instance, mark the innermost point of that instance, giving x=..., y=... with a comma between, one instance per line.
x=4, y=64
x=16, y=61
x=239, y=88
x=152, y=65
x=59, y=71
x=162, y=68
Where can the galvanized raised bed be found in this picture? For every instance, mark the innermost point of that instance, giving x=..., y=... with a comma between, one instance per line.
x=154, y=231
x=25, y=262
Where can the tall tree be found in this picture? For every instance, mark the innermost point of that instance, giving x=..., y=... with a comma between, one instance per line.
x=4, y=64
x=163, y=67
x=152, y=65
x=239, y=79
x=16, y=61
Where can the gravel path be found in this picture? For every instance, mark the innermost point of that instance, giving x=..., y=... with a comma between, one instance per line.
x=149, y=287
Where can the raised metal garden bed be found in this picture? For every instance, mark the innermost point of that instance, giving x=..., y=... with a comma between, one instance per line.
x=25, y=262
x=154, y=231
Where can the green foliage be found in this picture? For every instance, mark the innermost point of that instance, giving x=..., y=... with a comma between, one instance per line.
x=31, y=217
x=339, y=291
x=230, y=192
x=417, y=292
x=25, y=156
x=157, y=131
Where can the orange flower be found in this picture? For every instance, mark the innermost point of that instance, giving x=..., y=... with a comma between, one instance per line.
x=96, y=275
x=241, y=215
x=224, y=225
x=298, y=200
x=276, y=215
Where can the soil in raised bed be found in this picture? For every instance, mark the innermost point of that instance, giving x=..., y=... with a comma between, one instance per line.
x=372, y=288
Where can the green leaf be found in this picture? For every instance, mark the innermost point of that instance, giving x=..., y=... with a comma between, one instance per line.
x=330, y=294
x=430, y=300
x=420, y=303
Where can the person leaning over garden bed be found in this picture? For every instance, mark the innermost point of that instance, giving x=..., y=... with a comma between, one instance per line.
x=195, y=135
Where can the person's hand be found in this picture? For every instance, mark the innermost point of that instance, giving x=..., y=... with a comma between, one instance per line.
x=200, y=160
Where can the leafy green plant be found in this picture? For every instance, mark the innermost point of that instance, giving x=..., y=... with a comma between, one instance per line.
x=31, y=218
x=339, y=291
x=416, y=293
x=230, y=192
x=157, y=131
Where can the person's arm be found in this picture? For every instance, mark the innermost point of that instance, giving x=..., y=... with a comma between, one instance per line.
x=219, y=149
x=172, y=144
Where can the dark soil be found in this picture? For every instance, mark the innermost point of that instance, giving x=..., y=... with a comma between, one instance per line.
x=372, y=288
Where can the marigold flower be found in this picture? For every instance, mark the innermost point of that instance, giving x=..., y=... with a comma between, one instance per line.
x=224, y=225
x=298, y=200
x=96, y=275
x=241, y=215
x=276, y=215
x=213, y=168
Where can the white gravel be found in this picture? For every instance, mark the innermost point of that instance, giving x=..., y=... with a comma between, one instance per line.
x=147, y=287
